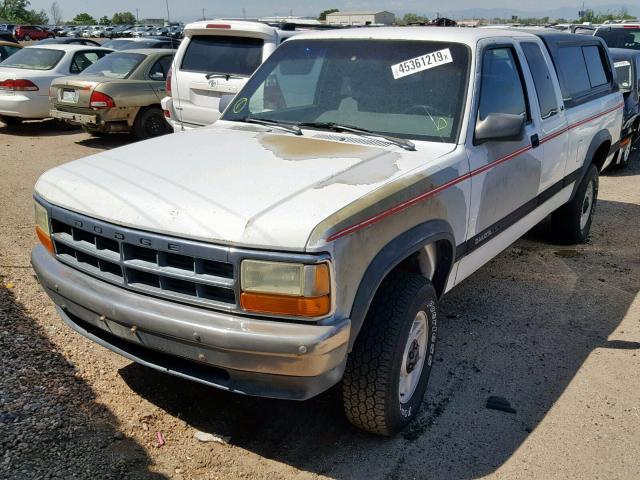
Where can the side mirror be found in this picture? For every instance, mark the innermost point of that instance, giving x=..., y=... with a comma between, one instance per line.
x=225, y=100
x=500, y=127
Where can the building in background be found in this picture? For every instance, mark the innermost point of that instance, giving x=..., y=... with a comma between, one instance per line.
x=379, y=17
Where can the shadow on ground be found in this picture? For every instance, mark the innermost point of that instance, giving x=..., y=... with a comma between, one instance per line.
x=520, y=328
x=53, y=128
x=40, y=128
x=50, y=424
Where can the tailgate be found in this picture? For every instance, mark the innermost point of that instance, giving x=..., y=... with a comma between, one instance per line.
x=201, y=105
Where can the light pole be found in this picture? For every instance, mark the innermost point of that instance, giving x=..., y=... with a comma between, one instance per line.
x=168, y=17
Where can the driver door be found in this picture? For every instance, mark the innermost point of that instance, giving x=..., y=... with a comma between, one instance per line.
x=505, y=174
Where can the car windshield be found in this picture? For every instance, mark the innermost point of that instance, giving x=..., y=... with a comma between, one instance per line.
x=34, y=59
x=7, y=50
x=222, y=54
x=115, y=65
x=142, y=44
x=405, y=89
x=624, y=75
x=116, y=44
x=626, y=37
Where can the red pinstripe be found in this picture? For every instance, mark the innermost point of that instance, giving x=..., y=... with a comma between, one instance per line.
x=412, y=201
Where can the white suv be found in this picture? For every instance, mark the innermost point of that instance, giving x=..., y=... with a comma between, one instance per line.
x=216, y=58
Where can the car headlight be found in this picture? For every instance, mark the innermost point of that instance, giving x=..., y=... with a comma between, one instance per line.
x=42, y=226
x=285, y=288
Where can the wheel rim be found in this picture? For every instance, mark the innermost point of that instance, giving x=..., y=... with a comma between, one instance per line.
x=626, y=153
x=413, y=357
x=587, y=205
x=154, y=126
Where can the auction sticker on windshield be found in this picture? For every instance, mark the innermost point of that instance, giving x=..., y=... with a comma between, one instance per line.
x=421, y=63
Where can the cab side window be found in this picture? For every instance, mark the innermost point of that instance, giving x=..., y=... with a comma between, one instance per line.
x=501, y=89
x=584, y=71
x=160, y=69
x=541, y=79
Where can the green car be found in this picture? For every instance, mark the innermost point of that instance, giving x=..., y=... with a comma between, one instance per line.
x=119, y=93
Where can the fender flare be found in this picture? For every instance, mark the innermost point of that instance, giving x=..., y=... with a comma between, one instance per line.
x=596, y=142
x=397, y=250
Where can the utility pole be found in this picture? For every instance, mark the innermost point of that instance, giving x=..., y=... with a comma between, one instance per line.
x=137, y=16
x=244, y=13
x=203, y=15
x=168, y=16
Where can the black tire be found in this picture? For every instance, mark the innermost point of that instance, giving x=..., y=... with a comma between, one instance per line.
x=569, y=225
x=149, y=123
x=27, y=38
x=10, y=121
x=371, y=382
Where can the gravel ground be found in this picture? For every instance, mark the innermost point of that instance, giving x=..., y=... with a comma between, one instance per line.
x=554, y=330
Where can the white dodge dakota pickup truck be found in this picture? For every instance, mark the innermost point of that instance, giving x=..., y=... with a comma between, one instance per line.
x=306, y=238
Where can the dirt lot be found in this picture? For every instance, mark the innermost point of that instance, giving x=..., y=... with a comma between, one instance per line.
x=554, y=330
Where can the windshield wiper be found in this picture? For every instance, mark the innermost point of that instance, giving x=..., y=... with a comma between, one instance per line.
x=274, y=123
x=338, y=127
x=226, y=76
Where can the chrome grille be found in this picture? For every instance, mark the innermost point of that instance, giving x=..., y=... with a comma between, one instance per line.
x=182, y=270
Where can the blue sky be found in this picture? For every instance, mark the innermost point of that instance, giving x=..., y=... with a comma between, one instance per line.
x=192, y=9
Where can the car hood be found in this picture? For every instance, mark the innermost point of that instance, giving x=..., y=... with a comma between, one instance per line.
x=232, y=184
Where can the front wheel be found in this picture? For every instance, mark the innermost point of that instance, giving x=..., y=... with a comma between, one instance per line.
x=27, y=38
x=571, y=223
x=150, y=123
x=387, y=372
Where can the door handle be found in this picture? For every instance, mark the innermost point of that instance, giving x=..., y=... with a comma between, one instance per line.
x=535, y=140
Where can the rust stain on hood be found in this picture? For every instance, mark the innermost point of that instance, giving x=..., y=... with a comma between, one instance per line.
x=297, y=148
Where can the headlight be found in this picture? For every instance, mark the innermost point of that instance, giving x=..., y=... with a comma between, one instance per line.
x=42, y=226
x=285, y=288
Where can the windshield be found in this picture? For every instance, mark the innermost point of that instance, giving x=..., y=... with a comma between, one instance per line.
x=142, y=44
x=224, y=55
x=627, y=37
x=405, y=89
x=624, y=75
x=115, y=65
x=116, y=44
x=34, y=59
x=7, y=50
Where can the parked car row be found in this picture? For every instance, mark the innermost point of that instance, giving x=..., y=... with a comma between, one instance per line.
x=121, y=31
x=86, y=86
x=354, y=178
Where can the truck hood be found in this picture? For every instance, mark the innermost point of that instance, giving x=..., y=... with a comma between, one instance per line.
x=232, y=184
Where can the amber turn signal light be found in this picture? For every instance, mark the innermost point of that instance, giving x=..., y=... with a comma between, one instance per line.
x=285, y=305
x=45, y=239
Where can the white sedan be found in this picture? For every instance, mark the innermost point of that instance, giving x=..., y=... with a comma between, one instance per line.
x=26, y=76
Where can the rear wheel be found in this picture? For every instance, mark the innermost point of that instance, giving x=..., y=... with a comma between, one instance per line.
x=150, y=123
x=27, y=38
x=387, y=372
x=571, y=223
x=10, y=121
x=624, y=155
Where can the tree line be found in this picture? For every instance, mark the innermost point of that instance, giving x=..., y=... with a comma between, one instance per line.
x=18, y=12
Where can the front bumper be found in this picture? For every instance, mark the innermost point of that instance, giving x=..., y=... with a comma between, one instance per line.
x=244, y=355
